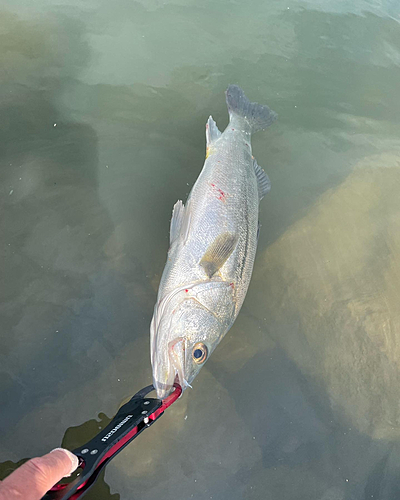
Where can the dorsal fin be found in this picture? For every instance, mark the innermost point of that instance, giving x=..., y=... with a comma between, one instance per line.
x=212, y=132
x=178, y=213
x=263, y=182
x=180, y=222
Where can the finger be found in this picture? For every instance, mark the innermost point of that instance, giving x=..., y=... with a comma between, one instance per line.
x=38, y=475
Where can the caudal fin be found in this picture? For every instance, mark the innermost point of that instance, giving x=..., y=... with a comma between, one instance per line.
x=257, y=116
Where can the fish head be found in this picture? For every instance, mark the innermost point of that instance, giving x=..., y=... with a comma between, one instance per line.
x=183, y=339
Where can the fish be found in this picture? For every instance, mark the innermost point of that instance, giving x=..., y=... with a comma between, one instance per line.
x=213, y=242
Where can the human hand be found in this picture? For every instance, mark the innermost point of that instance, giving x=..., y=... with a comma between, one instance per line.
x=36, y=476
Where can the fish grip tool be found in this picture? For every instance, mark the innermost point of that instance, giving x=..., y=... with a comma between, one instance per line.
x=139, y=413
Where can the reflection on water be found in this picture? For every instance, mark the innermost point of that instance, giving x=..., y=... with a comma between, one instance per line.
x=103, y=109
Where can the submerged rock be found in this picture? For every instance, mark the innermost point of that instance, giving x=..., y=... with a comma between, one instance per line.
x=329, y=290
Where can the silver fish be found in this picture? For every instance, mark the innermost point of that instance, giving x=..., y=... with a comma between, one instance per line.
x=213, y=242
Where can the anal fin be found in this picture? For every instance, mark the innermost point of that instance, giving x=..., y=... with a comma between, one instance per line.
x=263, y=182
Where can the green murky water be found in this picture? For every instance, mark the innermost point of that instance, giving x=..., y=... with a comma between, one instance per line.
x=102, y=114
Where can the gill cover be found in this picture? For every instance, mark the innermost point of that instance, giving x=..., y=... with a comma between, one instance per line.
x=183, y=319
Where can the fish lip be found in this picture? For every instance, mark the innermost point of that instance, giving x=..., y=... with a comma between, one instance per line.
x=177, y=356
x=176, y=369
x=164, y=389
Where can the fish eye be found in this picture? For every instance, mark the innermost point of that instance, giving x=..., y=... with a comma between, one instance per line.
x=199, y=353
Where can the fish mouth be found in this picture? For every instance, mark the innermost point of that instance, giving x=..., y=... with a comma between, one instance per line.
x=175, y=370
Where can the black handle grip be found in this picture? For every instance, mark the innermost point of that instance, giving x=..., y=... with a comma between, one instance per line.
x=131, y=419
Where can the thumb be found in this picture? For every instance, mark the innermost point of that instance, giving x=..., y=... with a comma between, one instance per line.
x=36, y=476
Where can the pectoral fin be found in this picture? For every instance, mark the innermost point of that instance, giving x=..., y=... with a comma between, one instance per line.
x=218, y=253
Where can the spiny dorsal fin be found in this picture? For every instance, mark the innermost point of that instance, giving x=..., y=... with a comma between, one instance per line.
x=178, y=213
x=212, y=132
x=180, y=222
x=218, y=253
x=263, y=182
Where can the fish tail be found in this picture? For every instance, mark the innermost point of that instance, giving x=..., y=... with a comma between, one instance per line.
x=258, y=117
